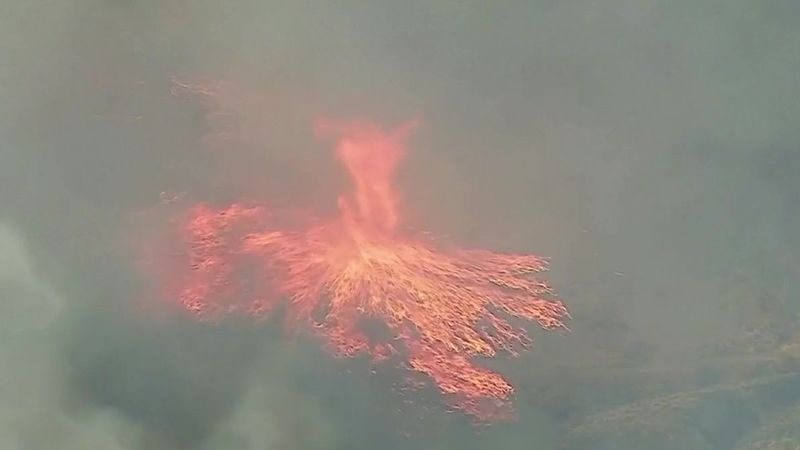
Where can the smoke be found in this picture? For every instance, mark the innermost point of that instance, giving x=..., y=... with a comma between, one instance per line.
x=35, y=412
x=648, y=147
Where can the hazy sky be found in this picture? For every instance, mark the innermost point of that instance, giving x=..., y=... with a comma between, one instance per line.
x=650, y=148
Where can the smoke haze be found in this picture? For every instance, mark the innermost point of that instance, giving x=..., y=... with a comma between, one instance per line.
x=649, y=148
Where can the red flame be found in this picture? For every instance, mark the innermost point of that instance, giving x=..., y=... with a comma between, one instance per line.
x=438, y=307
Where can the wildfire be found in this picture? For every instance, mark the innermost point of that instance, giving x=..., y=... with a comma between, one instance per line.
x=365, y=287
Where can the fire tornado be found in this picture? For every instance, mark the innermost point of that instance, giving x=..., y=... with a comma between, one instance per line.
x=364, y=285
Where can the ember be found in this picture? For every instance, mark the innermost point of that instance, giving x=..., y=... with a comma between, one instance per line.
x=440, y=307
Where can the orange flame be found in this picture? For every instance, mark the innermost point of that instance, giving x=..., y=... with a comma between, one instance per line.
x=437, y=308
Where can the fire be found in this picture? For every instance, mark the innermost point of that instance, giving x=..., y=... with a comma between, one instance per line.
x=365, y=287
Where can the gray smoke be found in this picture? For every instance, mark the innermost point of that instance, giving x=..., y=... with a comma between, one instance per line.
x=650, y=148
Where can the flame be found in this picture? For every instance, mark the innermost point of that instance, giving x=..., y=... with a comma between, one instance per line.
x=437, y=307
